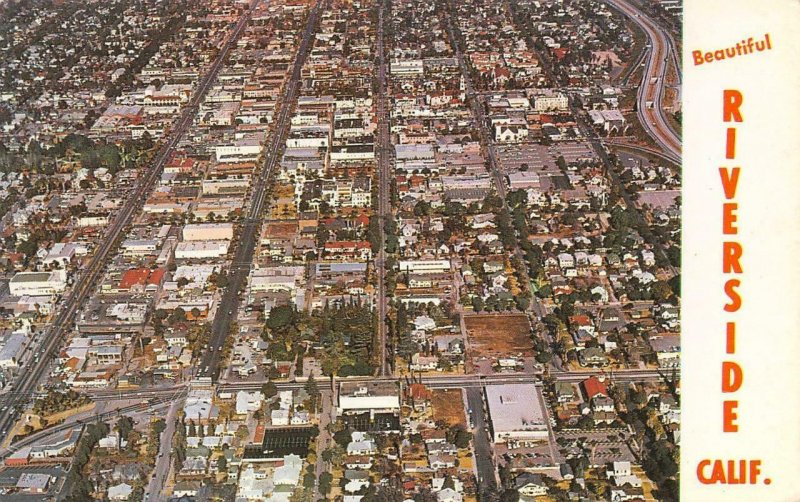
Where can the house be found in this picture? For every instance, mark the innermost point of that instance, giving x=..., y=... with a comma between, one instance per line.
x=625, y=493
x=186, y=489
x=127, y=472
x=510, y=133
x=441, y=461
x=423, y=363
x=248, y=401
x=439, y=448
x=593, y=387
x=361, y=447
x=566, y=260
x=358, y=462
x=530, y=485
x=120, y=492
x=564, y=391
x=356, y=480
x=449, y=495
x=592, y=356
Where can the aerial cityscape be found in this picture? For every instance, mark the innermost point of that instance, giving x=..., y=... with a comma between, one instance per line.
x=340, y=250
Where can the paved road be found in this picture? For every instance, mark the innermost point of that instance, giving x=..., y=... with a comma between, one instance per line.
x=155, y=488
x=653, y=117
x=476, y=107
x=326, y=415
x=384, y=148
x=484, y=453
x=437, y=381
x=177, y=391
x=86, y=282
x=229, y=304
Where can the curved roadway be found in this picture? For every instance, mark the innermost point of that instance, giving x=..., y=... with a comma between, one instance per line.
x=654, y=118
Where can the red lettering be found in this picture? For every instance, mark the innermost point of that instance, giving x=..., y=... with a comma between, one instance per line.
x=731, y=254
x=755, y=470
x=730, y=181
x=731, y=101
x=729, y=218
x=733, y=295
x=730, y=143
x=730, y=338
x=700, y=474
x=732, y=376
x=729, y=417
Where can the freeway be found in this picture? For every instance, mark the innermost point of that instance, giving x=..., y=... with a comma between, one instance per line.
x=384, y=211
x=73, y=423
x=435, y=381
x=228, y=307
x=466, y=381
x=598, y=144
x=27, y=382
x=651, y=91
x=155, y=397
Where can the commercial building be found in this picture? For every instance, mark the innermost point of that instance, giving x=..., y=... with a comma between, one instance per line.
x=372, y=397
x=516, y=413
x=208, y=232
x=38, y=283
x=201, y=249
x=424, y=266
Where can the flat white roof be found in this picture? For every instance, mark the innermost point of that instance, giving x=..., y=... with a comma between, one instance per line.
x=515, y=407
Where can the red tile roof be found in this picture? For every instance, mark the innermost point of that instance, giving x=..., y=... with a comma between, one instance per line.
x=594, y=387
x=133, y=277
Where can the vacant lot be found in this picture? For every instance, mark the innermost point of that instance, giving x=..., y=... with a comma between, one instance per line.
x=499, y=335
x=448, y=406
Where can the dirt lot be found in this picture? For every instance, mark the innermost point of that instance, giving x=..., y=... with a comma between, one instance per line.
x=448, y=405
x=499, y=335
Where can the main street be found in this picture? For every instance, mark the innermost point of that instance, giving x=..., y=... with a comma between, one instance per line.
x=384, y=210
x=476, y=107
x=27, y=381
x=651, y=90
x=229, y=305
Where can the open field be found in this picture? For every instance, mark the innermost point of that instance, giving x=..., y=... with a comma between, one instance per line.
x=499, y=335
x=448, y=406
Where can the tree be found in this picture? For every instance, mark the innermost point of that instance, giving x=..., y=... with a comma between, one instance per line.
x=281, y=316
x=124, y=428
x=222, y=463
x=325, y=480
x=422, y=208
x=178, y=315
x=510, y=495
x=459, y=436
x=269, y=389
x=313, y=391
x=586, y=422
x=661, y=291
